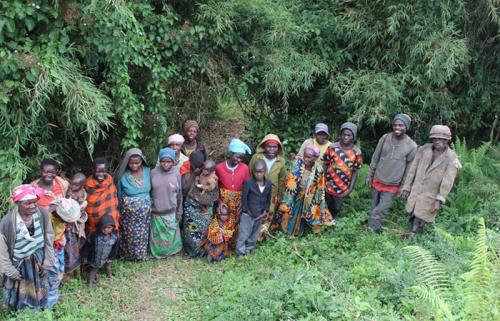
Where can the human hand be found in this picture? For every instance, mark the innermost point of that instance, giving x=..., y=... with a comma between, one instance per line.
x=437, y=206
x=368, y=181
x=405, y=193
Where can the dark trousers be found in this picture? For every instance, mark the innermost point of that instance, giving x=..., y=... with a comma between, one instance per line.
x=248, y=234
x=381, y=203
x=334, y=204
x=416, y=224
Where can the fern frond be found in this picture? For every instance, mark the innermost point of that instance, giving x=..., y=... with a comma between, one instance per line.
x=435, y=300
x=480, y=298
x=429, y=271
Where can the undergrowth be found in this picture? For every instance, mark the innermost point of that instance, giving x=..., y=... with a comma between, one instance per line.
x=345, y=273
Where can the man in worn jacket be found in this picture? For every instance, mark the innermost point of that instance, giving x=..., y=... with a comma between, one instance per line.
x=430, y=178
x=390, y=162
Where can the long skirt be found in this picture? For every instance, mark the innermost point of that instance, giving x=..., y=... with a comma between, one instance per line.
x=216, y=252
x=135, y=221
x=71, y=249
x=233, y=201
x=31, y=290
x=195, y=221
x=270, y=221
x=165, y=238
x=55, y=277
x=292, y=223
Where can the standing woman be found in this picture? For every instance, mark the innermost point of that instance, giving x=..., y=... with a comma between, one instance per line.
x=166, y=192
x=191, y=142
x=271, y=151
x=26, y=252
x=232, y=173
x=176, y=142
x=133, y=182
x=303, y=202
x=320, y=140
x=55, y=186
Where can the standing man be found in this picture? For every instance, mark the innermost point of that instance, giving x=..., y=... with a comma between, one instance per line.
x=342, y=160
x=430, y=178
x=390, y=163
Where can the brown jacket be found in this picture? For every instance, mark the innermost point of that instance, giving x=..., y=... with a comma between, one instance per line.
x=429, y=181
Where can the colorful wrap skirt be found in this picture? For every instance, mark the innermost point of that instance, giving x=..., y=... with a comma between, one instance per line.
x=195, y=221
x=135, y=221
x=31, y=290
x=165, y=237
x=72, y=248
x=55, y=277
x=233, y=201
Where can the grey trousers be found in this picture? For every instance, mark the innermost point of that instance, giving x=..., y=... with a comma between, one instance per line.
x=381, y=203
x=248, y=234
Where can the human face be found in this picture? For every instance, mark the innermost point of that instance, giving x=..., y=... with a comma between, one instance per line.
x=134, y=163
x=107, y=229
x=100, y=172
x=321, y=138
x=235, y=159
x=398, y=128
x=191, y=133
x=259, y=173
x=27, y=207
x=175, y=146
x=77, y=184
x=49, y=173
x=271, y=150
x=309, y=158
x=346, y=137
x=439, y=144
x=166, y=164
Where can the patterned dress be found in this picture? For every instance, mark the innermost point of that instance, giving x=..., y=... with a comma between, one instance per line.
x=135, y=215
x=304, y=200
x=217, y=239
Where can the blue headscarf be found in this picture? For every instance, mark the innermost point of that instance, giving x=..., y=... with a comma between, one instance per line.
x=167, y=152
x=237, y=146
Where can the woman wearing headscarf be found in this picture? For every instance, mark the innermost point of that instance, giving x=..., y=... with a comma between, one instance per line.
x=192, y=142
x=271, y=151
x=26, y=250
x=232, y=173
x=176, y=142
x=303, y=202
x=166, y=192
x=133, y=182
x=198, y=207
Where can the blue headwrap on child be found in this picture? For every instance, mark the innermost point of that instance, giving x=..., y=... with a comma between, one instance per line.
x=237, y=146
x=167, y=152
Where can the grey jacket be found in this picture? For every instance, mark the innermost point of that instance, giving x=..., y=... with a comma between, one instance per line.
x=391, y=162
x=8, y=239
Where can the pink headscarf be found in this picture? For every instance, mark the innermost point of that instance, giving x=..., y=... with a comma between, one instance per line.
x=26, y=192
x=314, y=149
x=175, y=139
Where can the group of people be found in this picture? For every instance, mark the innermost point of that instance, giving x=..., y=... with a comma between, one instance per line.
x=59, y=227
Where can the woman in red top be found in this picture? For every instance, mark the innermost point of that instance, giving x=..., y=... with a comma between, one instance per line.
x=232, y=173
x=55, y=186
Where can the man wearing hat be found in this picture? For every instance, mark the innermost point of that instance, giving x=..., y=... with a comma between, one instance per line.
x=430, y=178
x=320, y=140
x=390, y=162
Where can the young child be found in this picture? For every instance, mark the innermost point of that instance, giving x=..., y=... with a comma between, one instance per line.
x=255, y=202
x=207, y=180
x=218, y=235
x=101, y=248
x=63, y=212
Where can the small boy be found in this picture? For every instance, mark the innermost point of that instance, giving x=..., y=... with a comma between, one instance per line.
x=255, y=202
x=101, y=248
x=207, y=180
x=218, y=235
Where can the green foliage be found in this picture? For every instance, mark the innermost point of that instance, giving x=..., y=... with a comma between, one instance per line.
x=480, y=285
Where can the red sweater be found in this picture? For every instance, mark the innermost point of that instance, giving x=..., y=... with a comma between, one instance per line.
x=232, y=180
